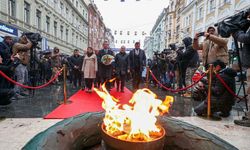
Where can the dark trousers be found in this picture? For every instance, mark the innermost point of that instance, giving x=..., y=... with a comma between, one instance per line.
x=136, y=79
x=201, y=109
x=106, y=81
x=120, y=78
x=77, y=76
x=89, y=82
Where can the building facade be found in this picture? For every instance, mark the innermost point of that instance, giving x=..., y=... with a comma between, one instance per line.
x=170, y=23
x=109, y=37
x=148, y=46
x=128, y=37
x=156, y=40
x=198, y=15
x=96, y=27
x=178, y=21
x=62, y=24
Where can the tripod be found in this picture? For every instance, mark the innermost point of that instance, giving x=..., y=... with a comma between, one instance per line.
x=242, y=85
x=33, y=73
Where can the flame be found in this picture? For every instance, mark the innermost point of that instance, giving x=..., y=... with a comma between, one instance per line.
x=136, y=120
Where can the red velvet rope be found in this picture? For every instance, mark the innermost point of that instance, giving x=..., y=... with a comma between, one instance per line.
x=177, y=90
x=29, y=87
x=227, y=87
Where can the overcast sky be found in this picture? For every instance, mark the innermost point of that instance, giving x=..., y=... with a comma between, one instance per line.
x=131, y=14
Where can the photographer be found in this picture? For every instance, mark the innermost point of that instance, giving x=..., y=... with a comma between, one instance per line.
x=56, y=62
x=6, y=50
x=221, y=100
x=189, y=63
x=155, y=68
x=213, y=47
x=244, y=37
x=6, y=91
x=21, y=55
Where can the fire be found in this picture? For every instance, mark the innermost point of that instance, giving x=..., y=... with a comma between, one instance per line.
x=135, y=121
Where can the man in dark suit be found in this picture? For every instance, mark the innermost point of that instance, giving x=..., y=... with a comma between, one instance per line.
x=105, y=69
x=137, y=60
x=75, y=62
x=121, y=68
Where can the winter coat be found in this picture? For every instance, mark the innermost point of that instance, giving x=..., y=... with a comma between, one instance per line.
x=22, y=52
x=213, y=48
x=76, y=61
x=245, y=39
x=104, y=71
x=89, y=66
x=221, y=99
x=142, y=60
x=121, y=63
x=56, y=60
x=189, y=57
x=5, y=52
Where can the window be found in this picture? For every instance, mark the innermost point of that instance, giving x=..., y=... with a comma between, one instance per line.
x=73, y=37
x=67, y=11
x=115, y=32
x=12, y=8
x=133, y=41
x=67, y=35
x=47, y=24
x=115, y=41
x=128, y=32
x=76, y=4
x=211, y=5
x=186, y=21
x=200, y=13
x=62, y=7
x=76, y=40
x=61, y=30
x=55, y=28
x=26, y=12
x=120, y=32
x=38, y=19
x=128, y=41
x=135, y=32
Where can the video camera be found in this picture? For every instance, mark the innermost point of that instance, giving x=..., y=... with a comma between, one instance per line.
x=233, y=24
x=35, y=38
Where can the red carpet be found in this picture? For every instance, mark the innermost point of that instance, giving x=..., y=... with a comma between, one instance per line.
x=85, y=102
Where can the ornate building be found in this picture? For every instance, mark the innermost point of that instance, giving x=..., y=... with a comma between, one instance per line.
x=198, y=15
x=96, y=27
x=61, y=23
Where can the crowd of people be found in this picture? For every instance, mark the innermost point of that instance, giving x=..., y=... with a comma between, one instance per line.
x=173, y=66
x=83, y=71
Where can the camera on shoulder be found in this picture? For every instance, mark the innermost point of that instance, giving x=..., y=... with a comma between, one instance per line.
x=234, y=23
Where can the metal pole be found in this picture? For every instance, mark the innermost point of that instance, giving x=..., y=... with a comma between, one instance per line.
x=64, y=84
x=209, y=90
x=147, y=77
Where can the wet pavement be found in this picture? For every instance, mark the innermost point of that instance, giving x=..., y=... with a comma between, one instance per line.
x=22, y=119
x=47, y=99
x=43, y=102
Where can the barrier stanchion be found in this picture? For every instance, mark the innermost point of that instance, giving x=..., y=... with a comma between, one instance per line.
x=65, y=101
x=147, y=77
x=209, y=91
